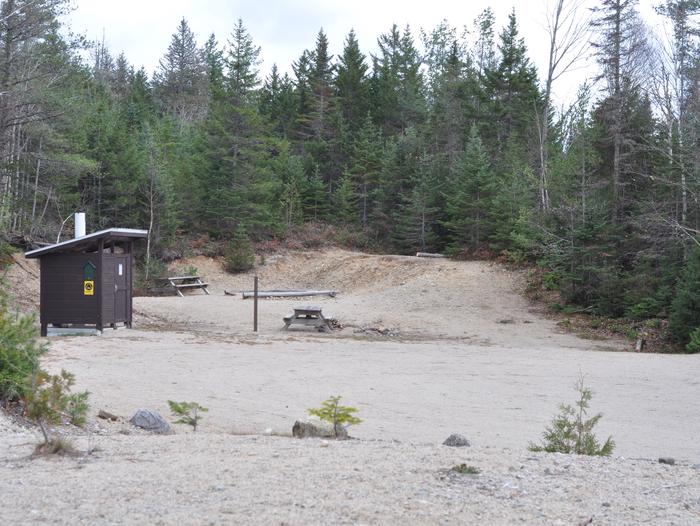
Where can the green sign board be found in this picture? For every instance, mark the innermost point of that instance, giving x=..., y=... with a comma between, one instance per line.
x=89, y=271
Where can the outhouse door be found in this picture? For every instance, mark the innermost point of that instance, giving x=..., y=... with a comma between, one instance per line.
x=121, y=291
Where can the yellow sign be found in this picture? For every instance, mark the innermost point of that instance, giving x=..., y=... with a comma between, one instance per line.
x=88, y=287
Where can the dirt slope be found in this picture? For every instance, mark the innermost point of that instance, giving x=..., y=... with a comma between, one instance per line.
x=22, y=280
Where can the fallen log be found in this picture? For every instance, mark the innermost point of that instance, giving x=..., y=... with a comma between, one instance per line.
x=429, y=255
x=107, y=415
x=288, y=293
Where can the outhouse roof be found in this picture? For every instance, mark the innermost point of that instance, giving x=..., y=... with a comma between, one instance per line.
x=88, y=242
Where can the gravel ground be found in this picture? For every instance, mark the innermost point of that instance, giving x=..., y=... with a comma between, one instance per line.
x=224, y=479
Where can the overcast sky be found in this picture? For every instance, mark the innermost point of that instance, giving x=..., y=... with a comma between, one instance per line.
x=142, y=28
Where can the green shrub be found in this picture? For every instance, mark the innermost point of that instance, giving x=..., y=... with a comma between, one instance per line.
x=337, y=415
x=647, y=308
x=552, y=280
x=684, y=317
x=48, y=398
x=694, y=343
x=570, y=431
x=466, y=469
x=189, y=413
x=239, y=256
x=6, y=251
x=190, y=270
x=147, y=273
x=20, y=350
x=77, y=407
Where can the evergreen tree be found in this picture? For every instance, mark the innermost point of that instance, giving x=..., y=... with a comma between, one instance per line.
x=684, y=318
x=352, y=88
x=242, y=60
x=513, y=90
x=469, y=203
x=277, y=102
x=416, y=216
x=180, y=79
x=292, y=188
x=345, y=202
x=484, y=50
x=304, y=94
x=214, y=60
x=618, y=47
x=365, y=167
x=315, y=197
x=398, y=90
x=322, y=99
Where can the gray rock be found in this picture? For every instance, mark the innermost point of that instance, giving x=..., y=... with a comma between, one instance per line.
x=456, y=440
x=150, y=421
x=313, y=428
x=696, y=466
x=667, y=460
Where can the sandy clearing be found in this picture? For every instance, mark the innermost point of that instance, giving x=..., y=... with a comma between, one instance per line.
x=471, y=356
x=500, y=397
x=455, y=367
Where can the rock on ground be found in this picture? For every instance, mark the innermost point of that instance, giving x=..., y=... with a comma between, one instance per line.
x=151, y=421
x=313, y=428
x=455, y=440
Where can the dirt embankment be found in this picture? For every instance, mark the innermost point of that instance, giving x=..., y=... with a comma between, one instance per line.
x=22, y=281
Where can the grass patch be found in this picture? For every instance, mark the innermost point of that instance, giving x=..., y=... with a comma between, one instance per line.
x=466, y=469
x=56, y=446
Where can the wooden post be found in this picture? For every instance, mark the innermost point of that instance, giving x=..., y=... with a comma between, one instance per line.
x=99, y=282
x=255, y=304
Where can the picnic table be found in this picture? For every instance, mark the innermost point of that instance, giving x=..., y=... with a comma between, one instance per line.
x=309, y=316
x=184, y=282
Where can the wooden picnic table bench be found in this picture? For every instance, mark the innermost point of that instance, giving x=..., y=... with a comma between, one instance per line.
x=309, y=316
x=185, y=282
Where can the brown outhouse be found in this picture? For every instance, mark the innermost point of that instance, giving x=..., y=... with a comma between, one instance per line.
x=87, y=281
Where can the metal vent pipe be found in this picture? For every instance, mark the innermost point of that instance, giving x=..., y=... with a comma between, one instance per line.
x=79, y=224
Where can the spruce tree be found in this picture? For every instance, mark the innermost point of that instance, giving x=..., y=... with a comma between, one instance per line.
x=416, y=216
x=292, y=188
x=345, y=202
x=315, y=197
x=468, y=204
x=214, y=62
x=512, y=87
x=365, y=167
x=180, y=79
x=684, y=317
x=304, y=95
x=351, y=86
x=242, y=61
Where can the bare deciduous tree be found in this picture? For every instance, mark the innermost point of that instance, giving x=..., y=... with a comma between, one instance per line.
x=568, y=33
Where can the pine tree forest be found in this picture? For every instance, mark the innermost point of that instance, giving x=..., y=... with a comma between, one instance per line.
x=443, y=140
